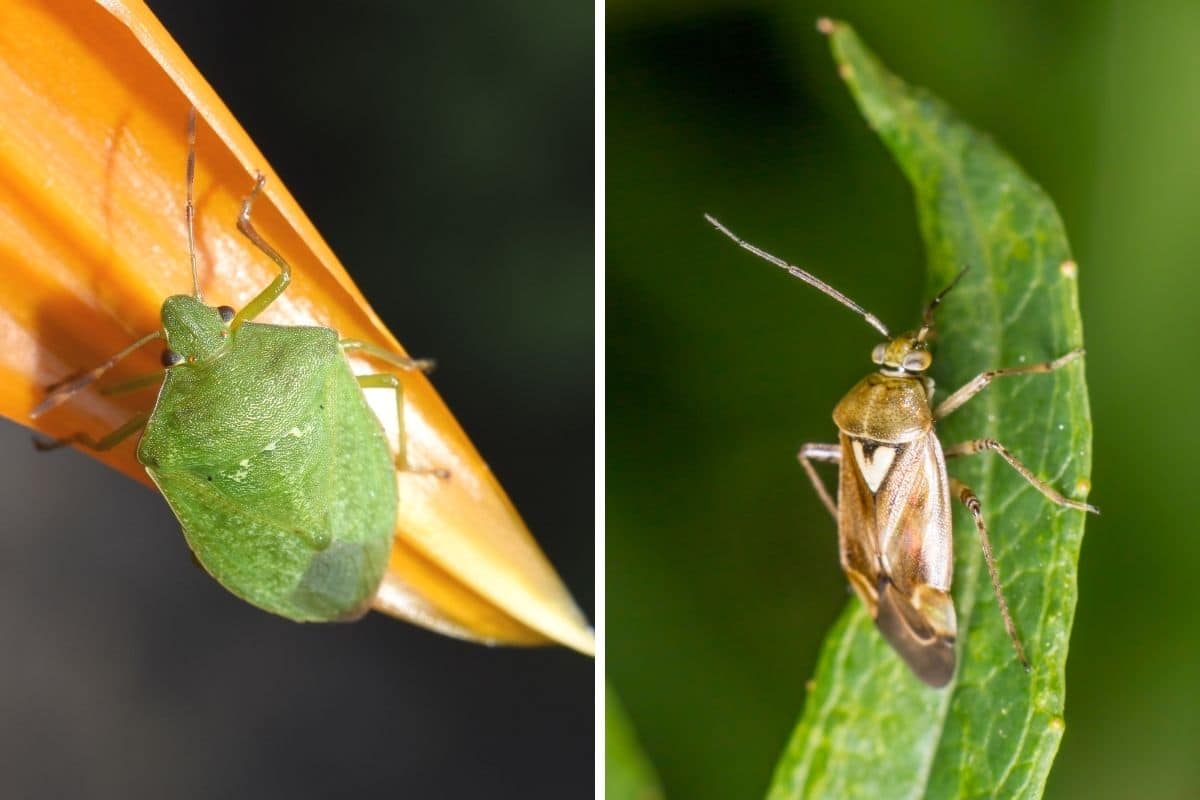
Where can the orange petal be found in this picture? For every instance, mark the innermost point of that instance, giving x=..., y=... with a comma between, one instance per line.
x=93, y=102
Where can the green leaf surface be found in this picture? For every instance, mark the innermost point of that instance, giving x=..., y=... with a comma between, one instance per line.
x=628, y=774
x=870, y=729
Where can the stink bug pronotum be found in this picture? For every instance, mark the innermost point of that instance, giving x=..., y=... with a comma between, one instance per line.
x=893, y=502
x=264, y=446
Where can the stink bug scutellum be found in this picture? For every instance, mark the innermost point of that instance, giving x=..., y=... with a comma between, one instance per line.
x=893, y=506
x=264, y=446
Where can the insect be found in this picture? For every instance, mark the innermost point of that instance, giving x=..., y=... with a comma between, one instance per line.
x=263, y=444
x=893, y=501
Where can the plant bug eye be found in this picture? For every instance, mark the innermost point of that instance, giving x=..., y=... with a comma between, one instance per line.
x=226, y=313
x=170, y=358
x=877, y=353
x=917, y=361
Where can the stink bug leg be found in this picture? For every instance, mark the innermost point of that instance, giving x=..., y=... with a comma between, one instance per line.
x=386, y=380
x=108, y=442
x=66, y=389
x=277, y=286
x=893, y=505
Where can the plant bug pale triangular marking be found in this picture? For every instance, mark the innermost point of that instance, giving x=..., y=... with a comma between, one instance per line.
x=893, y=504
x=264, y=446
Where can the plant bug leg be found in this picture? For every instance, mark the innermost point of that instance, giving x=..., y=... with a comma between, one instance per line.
x=975, y=446
x=977, y=385
x=981, y=381
x=969, y=500
x=829, y=453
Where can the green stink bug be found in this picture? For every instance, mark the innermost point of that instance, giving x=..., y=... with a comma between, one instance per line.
x=264, y=446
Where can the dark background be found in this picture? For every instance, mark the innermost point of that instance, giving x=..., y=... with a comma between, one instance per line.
x=722, y=568
x=446, y=154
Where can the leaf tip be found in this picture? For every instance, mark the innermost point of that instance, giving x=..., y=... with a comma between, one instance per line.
x=826, y=26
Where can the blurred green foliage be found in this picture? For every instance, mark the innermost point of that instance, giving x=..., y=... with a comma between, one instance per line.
x=628, y=775
x=722, y=572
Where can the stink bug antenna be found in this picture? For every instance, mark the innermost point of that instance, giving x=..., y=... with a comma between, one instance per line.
x=927, y=321
x=810, y=279
x=191, y=207
x=65, y=389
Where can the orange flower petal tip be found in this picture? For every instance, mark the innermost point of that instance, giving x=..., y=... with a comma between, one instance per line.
x=93, y=102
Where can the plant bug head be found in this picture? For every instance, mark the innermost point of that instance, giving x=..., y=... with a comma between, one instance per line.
x=895, y=529
x=908, y=353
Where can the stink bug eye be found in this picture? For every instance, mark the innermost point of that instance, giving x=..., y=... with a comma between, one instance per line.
x=227, y=313
x=893, y=509
x=170, y=358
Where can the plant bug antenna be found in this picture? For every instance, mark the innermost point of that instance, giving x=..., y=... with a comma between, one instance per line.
x=927, y=319
x=191, y=207
x=807, y=277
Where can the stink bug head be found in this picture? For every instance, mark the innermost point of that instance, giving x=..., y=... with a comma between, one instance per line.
x=194, y=331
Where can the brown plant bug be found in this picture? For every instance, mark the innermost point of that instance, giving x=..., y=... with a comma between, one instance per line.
x=895, y=531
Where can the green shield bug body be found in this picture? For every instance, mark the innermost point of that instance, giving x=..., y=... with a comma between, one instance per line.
x=264, y=446
x=893, y=515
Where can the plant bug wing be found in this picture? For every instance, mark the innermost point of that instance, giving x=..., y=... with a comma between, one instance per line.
x=928, y=652
x=896, y=547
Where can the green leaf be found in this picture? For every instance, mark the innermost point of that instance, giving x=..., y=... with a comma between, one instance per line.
x=870, y=729
x=628, y=774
